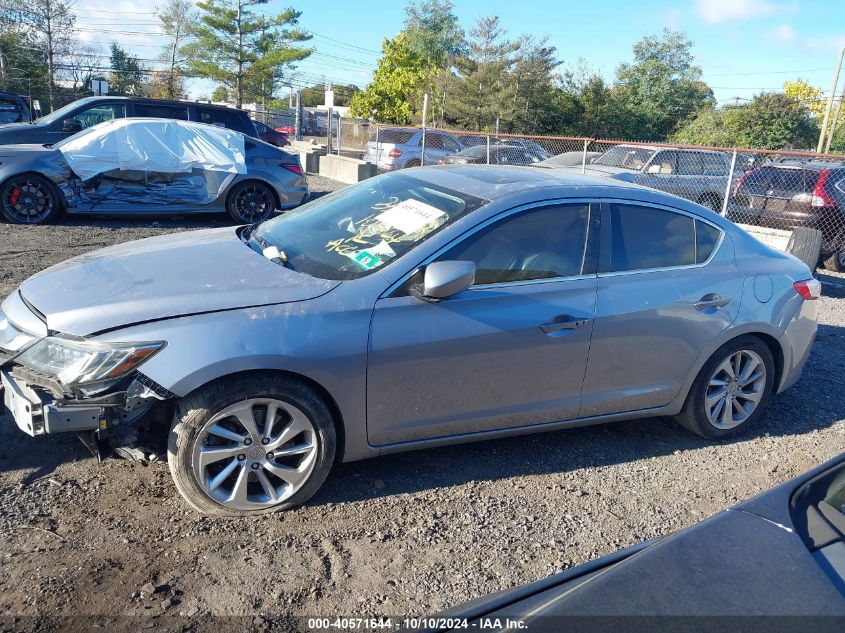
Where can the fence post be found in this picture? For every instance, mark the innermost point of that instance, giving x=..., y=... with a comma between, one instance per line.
x=378, y=147
x=339, y=132
x=424, y=122
x=329, y=131
x=584, y=157
x=488, y=149
x=728, y=186
x=297, y=122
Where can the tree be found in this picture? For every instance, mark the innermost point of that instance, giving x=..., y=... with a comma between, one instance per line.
x=243, y=50
x=433, y=32
x=481, y=90
x=536, y=97
x=178, y=19
x=661, y=90
x=774, y=120
x=716, y=128
x=395, y=94
x=220, y=94
x=127, y=74
x=813, y=98
x=52, y=23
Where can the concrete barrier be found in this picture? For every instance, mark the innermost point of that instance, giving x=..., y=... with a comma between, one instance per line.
x=344, y=169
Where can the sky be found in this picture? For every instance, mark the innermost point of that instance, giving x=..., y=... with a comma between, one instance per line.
x=742, y=46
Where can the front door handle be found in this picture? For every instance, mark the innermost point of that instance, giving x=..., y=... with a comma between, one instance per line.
x=711, y=300
x=563, y=322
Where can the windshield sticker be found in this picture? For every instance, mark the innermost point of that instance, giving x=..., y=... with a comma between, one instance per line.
x=366, y=260
x=409, y=216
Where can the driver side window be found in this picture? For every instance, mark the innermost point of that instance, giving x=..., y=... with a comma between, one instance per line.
x=540, y=243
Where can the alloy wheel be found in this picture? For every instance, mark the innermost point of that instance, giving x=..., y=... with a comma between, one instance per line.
x=254, y=203
x=735, y=389
x=255, y=454
x=28, y=201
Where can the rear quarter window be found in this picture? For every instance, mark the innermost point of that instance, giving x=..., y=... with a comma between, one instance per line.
x=230, y=119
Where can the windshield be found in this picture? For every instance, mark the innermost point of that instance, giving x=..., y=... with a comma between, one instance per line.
x=55, y=115
x=625, y=156
x=355, y=231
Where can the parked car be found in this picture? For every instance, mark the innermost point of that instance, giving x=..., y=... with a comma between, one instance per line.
x=14, y=108
x=396, y=148
x=415, y=309
x=697, y=175
x=718, y=571
x=270, y=135
x=527, y=144
x=795, y=194
x=471, y=140
x=149, y=166
x=497, y=155
x=569, y=159
x=90, y=111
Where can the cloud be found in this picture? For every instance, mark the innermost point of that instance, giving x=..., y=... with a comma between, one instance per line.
x=719, y=11
x=786, y=34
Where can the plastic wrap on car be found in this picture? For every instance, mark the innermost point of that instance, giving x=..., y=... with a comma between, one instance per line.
x=153, y=161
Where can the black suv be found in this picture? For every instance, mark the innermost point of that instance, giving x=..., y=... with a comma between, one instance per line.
x=795, y=194
x=86, y=112
x=14, y=108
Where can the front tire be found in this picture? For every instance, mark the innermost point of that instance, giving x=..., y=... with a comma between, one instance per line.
x=29, y=199
x=731, y=391
x=250, y=202
x=251, y=445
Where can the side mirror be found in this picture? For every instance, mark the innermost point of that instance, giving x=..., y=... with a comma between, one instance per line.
x=445, y=279
x=71, y=126
x=653, y=169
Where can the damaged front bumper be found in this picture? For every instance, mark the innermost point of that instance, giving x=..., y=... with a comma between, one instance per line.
x=116, y=421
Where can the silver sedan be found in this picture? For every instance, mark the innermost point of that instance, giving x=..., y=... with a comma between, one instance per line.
x=420, y=308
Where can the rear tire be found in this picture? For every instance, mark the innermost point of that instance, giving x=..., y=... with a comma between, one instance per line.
x=702, y=414
x=414, y=162
x=212, y=455
x=712, y=202
x=251, y=201
x=806, y=244
x=835, y=261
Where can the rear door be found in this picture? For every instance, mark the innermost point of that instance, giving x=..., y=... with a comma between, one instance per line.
x=667, y=285
x=511, y=351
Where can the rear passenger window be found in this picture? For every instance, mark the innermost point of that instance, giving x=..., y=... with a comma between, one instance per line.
x=706, y=238
x=161, y=111
x=689, y=164
x=714, y=164
x=223, y=118
x=644, y=237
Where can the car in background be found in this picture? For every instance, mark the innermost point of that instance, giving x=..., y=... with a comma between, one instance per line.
x=494, y=155
x=14, y=108
x=149, y=166
x=721, y=568
x=90, y=111
x=569, y=159
x=398, y=147
x=381, y=317
x=697, y=175
x=792, y=194
x=471, y=140
x=532, y=146
x=270, y=135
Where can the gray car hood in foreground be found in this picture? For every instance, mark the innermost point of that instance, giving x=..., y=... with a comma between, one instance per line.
x=162, y=277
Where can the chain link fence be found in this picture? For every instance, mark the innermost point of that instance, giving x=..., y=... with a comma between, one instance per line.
x=793, y=200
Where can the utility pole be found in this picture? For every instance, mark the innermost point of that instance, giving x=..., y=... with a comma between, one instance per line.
x=830, y=101
x=835, y=121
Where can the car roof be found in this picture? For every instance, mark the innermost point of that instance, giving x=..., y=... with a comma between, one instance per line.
x=814, y=165
x=158, y=101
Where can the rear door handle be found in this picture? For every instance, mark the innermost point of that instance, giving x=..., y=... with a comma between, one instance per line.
x=711, y=300
x=563, y=322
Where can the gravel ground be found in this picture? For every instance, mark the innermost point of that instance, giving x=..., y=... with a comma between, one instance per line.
x=396, y=535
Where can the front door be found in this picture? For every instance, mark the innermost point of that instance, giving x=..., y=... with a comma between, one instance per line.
x=510, y=351
x=667, y=286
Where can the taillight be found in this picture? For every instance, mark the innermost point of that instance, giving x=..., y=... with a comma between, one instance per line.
x=821, y=198
x=741, y=178
x=297, y=169
x=809, y=289
x=395, y=153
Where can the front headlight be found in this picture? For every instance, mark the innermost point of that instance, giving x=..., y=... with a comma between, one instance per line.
x=12, y=338
x=81, y=362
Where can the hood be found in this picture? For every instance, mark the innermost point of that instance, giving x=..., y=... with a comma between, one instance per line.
x=162, y=277
x=19, y=150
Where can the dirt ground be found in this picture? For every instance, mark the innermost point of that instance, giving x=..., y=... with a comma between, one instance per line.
x=403, y=534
